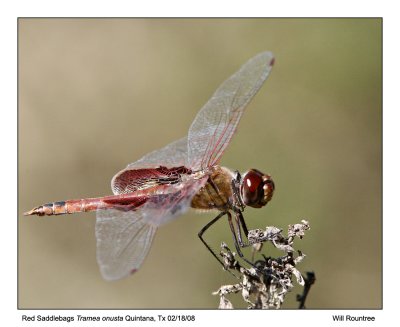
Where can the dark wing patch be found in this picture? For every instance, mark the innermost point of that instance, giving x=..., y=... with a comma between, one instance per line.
x=131, y=180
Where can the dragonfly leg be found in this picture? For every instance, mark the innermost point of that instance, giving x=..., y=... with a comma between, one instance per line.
x=241, y=222
x=236, y=191
x=235, y=240
x=200, y=234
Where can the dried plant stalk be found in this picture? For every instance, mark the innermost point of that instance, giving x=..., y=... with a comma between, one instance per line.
x=265, y=285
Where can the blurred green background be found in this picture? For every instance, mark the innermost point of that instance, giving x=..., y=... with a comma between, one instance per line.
x=97, y=94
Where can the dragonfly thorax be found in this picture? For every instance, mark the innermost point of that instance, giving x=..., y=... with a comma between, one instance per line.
x=256, y=188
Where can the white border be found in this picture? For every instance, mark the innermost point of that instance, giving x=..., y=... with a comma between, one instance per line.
x=208, y=8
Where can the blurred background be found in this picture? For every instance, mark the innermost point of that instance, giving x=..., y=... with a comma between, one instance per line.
x=97, y=94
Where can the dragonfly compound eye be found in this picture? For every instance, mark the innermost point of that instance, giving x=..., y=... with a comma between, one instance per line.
x=256, y=188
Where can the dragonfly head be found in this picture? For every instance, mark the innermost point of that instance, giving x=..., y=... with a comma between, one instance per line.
x=256, y=188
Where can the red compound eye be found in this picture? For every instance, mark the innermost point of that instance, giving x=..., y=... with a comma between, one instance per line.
x=253, y=180
x=256, y=188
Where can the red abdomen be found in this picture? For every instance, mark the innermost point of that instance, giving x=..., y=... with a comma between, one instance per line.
x=122, y=202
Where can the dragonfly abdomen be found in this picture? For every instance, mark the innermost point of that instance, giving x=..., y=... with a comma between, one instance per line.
x=123, y=202
x=66, y=207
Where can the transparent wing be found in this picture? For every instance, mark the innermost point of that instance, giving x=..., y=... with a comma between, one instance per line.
x=124, y=237
x=123, y=241
x=215, y=124
x=172, y=155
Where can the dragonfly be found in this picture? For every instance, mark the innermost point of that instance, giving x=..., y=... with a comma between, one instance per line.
x=185, y=174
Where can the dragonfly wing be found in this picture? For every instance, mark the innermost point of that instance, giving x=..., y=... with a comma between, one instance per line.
x=215, y=124
x=123, y=241
x=172, y=155
x=162, y=208
x=124, y=237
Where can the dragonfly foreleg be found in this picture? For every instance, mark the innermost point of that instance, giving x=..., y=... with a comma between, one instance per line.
x=238, y=203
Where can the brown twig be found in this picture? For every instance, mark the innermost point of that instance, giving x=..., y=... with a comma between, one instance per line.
x=309, y=280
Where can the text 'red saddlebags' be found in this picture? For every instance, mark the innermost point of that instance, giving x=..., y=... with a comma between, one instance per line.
x=165, y=183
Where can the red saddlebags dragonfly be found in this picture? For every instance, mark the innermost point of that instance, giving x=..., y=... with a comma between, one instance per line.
x=165, y=183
